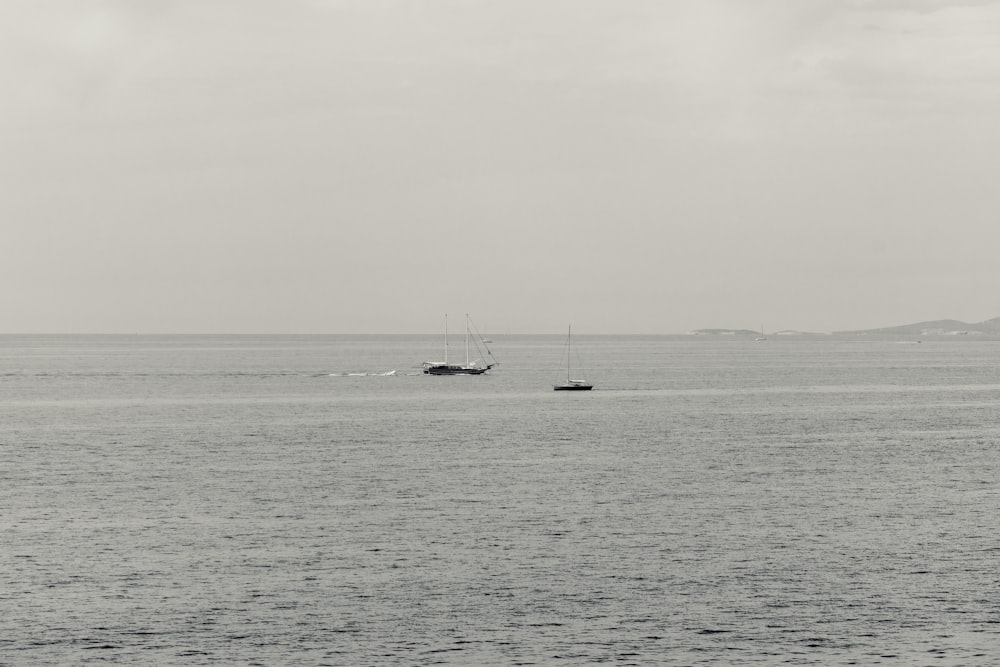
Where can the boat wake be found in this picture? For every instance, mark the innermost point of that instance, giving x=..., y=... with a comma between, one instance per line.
x=361, y=375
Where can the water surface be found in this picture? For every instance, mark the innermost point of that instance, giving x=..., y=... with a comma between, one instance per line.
x=271, y=500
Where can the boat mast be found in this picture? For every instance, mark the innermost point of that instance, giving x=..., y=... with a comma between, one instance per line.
x=446, y=339
x=467, y=339
x=569, y=349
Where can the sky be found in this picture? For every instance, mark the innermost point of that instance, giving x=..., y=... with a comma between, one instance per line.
x=367, y=166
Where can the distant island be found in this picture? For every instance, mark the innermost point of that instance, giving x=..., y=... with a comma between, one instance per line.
x=936, y=328
x=723, y=332
x=932, y=328
x=748, y=332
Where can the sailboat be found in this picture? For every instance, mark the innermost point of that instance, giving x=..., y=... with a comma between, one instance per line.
x=570, y=384
x=470, y=367
x=761, y=337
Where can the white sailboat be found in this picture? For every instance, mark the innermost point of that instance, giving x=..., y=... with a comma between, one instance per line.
x=570, y=384
x=470, y=367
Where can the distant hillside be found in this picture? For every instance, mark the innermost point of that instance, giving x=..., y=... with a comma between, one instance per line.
x=936, y=328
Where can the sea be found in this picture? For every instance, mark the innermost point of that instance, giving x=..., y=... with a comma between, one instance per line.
x=317, y=500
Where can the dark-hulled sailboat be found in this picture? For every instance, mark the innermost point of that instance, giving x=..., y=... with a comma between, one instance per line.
x=570, y=384
x=470, y=367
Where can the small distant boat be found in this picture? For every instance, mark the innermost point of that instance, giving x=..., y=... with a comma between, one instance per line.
x=470, y=367
x=761, y=337
x=571, y=384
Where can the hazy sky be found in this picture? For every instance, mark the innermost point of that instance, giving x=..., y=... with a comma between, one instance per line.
x=636, y=166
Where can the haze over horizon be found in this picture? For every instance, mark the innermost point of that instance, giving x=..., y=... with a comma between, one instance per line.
x=349, y=166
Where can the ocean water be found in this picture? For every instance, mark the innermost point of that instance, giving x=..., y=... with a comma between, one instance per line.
x=271, y=500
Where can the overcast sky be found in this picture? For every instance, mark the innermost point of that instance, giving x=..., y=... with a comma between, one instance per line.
x=636, y=166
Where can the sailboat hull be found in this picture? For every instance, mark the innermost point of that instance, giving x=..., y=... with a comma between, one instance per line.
x=442, y=369
x=573, y=386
